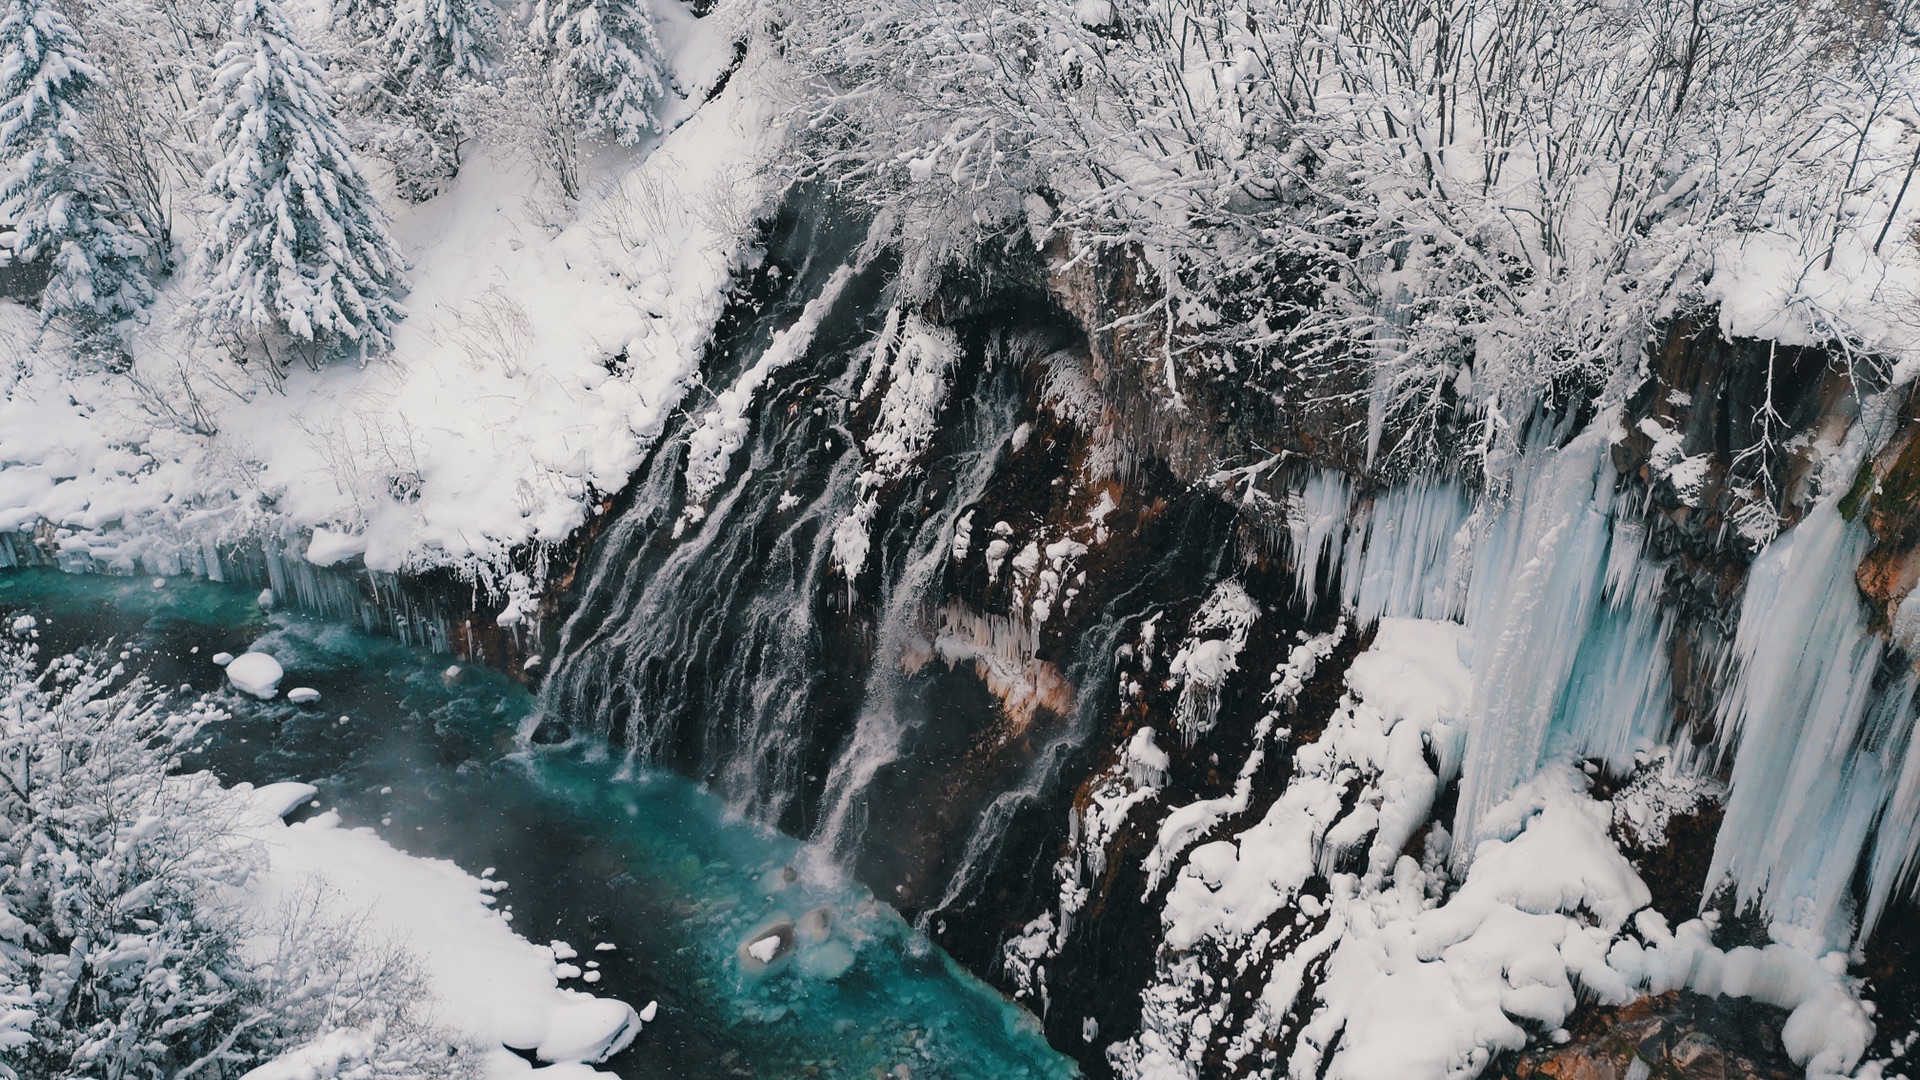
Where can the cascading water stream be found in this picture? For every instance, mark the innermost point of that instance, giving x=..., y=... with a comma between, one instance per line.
x=751, y=614
x=886, y=711
x=698, y=637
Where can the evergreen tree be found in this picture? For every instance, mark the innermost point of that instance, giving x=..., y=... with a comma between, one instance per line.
x=66, y=210
x=431, y=42
x=429, y=50
x=299, y=244
x=606, y=59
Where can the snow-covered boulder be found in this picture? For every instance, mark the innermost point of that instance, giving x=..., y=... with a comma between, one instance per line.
x=303, y=695
x=256, y=673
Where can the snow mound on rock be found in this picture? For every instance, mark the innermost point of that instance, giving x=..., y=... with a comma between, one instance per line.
x=256, y=673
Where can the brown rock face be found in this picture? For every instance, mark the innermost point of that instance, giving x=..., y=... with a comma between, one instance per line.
x=1886, y=498
x=1677, y=1036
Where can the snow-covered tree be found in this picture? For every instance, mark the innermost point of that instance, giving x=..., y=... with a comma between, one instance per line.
x=297, y=244
x=430, y=50
x=431, y=41
x=64, y=207
x=127, y=948
x=140, y=124
x=407, y=67
x=1433, y=219
x=113, y=943
x=605, y=58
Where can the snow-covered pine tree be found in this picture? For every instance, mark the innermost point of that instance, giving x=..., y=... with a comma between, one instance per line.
x=606, y=59
x=364, y=21
x=298, y=244
x=434, y=41
x=428, y=51
x=63, y=206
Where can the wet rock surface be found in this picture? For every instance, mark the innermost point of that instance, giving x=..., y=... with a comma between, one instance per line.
x=1677, y=1036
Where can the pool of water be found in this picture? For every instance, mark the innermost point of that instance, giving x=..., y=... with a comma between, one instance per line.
x=424, y=751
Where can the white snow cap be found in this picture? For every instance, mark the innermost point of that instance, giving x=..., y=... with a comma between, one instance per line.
x=256, y=673
x=303, y=695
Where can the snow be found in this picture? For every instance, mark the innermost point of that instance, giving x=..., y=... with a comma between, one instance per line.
x=256, y=673
x=1201, y=666
x=222, y=659
x=1414, y=671
x=489, y=983
x=1420, y=980
x=913, y=381
x=765, y=949
x=303, y=695
x=1188, y=823
x=22, y=625
x=544, y=350
x=332, y=1054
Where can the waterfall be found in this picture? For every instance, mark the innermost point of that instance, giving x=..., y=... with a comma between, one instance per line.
x=886, y=712
x=755, y=611
x=704, y=648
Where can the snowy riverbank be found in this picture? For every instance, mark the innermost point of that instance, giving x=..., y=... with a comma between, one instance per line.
x=490, y=985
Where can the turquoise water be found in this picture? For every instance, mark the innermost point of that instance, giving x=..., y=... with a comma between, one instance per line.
x=644, y=861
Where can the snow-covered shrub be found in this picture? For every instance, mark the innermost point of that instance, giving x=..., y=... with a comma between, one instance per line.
x=119, y=955
x=345, y=1003
x=527, y=114
x=1449, y=215
x=410, y=63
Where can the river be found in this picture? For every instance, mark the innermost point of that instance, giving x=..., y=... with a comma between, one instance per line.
x=425, y=751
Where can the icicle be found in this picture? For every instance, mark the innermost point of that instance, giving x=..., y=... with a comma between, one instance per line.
x=1538, y=573
x=1316, y=524
x=1816, y=743
x=1896, y=846
x=1399, y=558
x=1617, y=701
